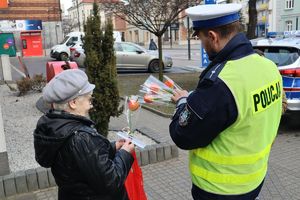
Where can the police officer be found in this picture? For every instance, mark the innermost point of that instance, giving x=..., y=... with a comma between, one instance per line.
x=229, y=122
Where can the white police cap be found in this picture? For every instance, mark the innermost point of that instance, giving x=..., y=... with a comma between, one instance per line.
x=213, y=15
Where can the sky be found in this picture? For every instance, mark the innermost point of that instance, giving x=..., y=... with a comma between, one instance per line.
x=67, y=4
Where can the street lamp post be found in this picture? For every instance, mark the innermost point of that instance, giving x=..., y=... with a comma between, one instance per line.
x=189, y=39
x=83, y=16
x=49, y=26
x=171, y=36
x=188, y=36
x=56, y=25
x=78, y=18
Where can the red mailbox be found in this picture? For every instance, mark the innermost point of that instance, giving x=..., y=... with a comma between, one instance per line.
x=55, y=67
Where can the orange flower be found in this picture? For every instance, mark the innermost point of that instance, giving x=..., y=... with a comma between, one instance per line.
x=169, y=83
x=133, y=105
x=154, y=87
x=148, y=98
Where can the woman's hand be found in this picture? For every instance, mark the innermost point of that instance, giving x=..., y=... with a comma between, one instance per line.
x=128, y=146
x=119, y=144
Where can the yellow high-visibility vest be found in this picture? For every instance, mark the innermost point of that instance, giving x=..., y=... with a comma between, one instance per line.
x=237, y=159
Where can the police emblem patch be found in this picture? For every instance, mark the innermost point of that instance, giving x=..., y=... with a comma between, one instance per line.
x=184, y=117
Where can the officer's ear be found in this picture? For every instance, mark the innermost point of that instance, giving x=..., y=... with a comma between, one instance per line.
x=213, y=36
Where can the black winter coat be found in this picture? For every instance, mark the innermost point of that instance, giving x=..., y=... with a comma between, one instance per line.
x=85, y=165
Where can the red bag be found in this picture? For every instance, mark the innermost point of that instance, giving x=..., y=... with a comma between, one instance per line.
x=134, y=183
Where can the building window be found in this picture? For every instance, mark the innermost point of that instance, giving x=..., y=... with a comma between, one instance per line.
x=289, y=4
x=147, y=36
x=289, y=25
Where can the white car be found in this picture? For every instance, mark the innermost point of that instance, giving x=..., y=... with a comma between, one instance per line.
x=129, y=56
x=62, y=51
x=285, y=53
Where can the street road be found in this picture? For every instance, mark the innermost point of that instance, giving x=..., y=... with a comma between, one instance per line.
x=181, y=64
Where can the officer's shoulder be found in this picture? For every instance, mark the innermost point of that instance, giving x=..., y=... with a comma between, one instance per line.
x=211, y=76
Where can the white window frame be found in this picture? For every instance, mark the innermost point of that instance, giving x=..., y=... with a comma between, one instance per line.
x=289, y=25
x=289, y=4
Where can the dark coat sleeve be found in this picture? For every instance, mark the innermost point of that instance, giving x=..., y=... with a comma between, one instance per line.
x=99, y=164
x=113, y=146
x=209, y=110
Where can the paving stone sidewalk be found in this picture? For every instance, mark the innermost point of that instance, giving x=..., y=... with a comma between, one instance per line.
x=169, y=180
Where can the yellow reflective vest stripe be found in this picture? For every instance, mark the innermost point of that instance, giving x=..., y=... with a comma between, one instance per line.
x=211, y=156
x=236, y=160
x=227, y=178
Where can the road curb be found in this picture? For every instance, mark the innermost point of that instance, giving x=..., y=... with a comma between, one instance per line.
x=7, y=82
x=4, y=164
x=162, y=114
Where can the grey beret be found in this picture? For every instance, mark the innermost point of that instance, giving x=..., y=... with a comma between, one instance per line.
x=66, y=86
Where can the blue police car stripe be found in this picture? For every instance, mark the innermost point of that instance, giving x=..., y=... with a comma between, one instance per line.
x=292, y=95
x=287, y=81
x=216, y=21
x=290, y=83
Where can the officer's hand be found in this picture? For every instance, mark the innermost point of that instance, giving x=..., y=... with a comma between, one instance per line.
x=128, y=146
x=120, y=143
x=178, y=94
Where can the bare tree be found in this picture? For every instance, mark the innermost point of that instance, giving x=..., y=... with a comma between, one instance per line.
x=252, y=19
x=68, y=25
x=154, y=16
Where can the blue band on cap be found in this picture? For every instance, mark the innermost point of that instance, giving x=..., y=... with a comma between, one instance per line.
x=210, y=23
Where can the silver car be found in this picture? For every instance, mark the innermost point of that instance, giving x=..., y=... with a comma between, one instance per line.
x=129, y=56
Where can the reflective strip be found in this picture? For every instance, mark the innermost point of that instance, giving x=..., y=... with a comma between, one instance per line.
x=227, y=178
x=210, y=156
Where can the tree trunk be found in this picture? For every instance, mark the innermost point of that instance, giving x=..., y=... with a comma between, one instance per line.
x=252, y=19
x=160, y=57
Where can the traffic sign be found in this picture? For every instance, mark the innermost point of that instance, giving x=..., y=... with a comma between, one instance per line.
x=205, y=59
x=185, y=22
x=174, y=26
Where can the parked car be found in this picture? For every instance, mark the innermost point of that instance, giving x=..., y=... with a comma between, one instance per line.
x=129, y=56
x=62, y=51
x=72, y=41
x=74, y=47
x=285, y=53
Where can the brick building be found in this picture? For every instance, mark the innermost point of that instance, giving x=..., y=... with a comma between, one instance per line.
x=46, y=12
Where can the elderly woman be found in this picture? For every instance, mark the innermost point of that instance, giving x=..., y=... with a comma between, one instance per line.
x=85, y=165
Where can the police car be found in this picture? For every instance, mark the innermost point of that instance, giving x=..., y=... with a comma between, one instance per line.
x=284, y=50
